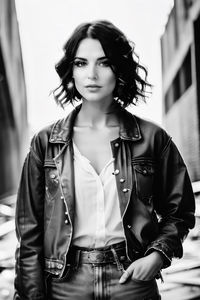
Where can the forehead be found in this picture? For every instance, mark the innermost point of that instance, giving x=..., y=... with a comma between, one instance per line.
x=90, y=48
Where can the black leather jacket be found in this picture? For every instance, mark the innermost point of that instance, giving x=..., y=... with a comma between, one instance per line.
x=155, y=194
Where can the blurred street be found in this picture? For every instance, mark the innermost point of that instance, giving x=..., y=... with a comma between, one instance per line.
x=181, y=280
x=7, y=247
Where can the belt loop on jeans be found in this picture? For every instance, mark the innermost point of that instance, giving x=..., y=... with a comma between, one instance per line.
x=77, y=259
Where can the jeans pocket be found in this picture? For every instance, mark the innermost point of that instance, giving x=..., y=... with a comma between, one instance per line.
x=141, y=281
x=66, y=275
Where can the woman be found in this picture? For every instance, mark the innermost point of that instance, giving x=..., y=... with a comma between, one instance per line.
x=105, y=200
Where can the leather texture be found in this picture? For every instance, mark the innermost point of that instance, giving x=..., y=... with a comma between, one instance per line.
x=156, y=199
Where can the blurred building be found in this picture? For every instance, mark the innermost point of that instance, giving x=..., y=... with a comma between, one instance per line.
x=180, y=47
x=13, y=110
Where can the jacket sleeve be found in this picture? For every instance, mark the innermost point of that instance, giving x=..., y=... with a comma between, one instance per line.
x=29, y=279
x=174, y=203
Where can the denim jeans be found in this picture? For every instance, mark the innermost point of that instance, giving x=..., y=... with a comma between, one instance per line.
x=99, y=282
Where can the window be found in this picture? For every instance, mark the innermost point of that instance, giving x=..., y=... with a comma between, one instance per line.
x=181, y=82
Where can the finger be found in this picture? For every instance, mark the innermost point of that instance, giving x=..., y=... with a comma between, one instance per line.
x=125, y=276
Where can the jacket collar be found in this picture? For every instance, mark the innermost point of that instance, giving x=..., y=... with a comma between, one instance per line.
x=129, y=127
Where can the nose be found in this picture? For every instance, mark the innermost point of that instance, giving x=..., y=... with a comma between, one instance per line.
x=92, y=72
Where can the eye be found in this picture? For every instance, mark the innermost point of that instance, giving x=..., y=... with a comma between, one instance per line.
x=79, y=63
x=105, y=63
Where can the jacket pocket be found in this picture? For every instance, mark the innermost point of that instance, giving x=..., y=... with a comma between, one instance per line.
x=51, y=191
x=144, y=171
x=51, y=180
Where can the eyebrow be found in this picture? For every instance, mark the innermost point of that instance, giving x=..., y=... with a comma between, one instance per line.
x=85, y=59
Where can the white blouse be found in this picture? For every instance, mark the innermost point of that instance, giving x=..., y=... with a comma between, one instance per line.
x=97, y=221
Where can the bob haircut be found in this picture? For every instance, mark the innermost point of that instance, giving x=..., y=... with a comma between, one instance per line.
x=130, y=86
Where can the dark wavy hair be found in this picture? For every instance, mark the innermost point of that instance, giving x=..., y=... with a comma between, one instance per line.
x=130, y=84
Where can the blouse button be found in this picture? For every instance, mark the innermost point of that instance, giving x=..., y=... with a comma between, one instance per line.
x=116, y=172
x=122, y=180
x=125, y=190
x=66, y=221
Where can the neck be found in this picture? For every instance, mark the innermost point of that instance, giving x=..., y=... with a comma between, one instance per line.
x=95, y=115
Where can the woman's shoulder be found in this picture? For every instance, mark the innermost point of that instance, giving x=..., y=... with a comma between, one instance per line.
x=149, y=125
x=144, y=124
x=41, y=138
x=57, y=128
x=151, y=132
x=45, y=131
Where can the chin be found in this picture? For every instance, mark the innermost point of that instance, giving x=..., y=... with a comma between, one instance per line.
x=93, y=98
x=97, y=98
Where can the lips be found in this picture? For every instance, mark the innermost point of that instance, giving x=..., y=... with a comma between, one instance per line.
x=93, y=86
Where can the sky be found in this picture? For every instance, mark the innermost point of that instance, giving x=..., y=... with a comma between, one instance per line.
x=46, y=25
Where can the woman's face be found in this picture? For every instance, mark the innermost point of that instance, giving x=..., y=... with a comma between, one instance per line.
x=93, y=76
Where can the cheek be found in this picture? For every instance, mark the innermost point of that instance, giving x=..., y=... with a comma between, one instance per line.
x=110, y=78
x=78, y=80
x=77, y=74
x=112, y=82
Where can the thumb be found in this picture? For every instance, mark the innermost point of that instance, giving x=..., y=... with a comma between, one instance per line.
x=127, y=273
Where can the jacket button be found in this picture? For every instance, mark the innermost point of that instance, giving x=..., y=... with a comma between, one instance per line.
x=116, y=172
x=59, y=266
x=62, y=198
x=145, y=172
x=116, y=145
x=129, y=226
x=125, y=190
x=122, y=180
x=66, y=221
x=52, y=176
x=122, y=258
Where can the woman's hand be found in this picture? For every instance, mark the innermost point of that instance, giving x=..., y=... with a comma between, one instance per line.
x=145, y=268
